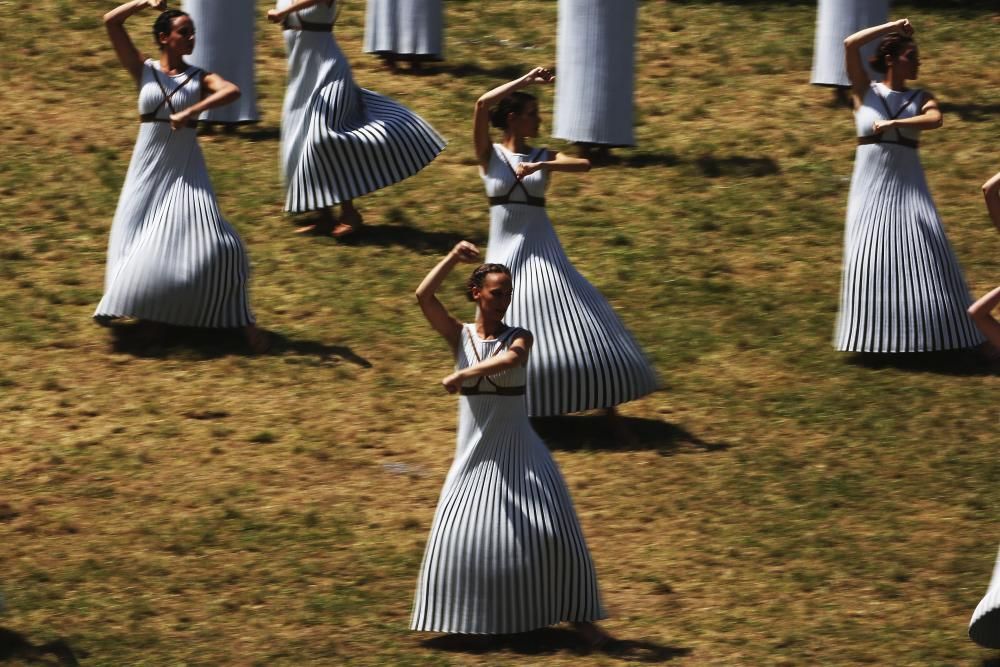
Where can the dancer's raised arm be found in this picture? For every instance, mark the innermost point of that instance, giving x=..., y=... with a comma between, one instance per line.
x=435, y=312
x=129, y=56
x=481, y=117
x=856, y=71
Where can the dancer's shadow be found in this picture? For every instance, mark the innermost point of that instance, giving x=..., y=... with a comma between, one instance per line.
x=973, y=113
x=738, y=166
x=991, y=662
x=257, y=133
x=15, y=646
x=591, y=432
x=462, y=70
x=549, y=641
x=160, y=341
x=406, y=236
x=964, y=363
x=640, y=160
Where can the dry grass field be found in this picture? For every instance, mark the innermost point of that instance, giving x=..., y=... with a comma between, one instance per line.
x=184, y=503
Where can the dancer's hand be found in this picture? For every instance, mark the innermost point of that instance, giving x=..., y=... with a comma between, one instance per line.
x=881, y=126
x=527, y=168
x=452, y=383
x=904, y=27
x=465, y=252
x=180, y=119
x=538, y=75
x=157, y=4
x=275, y=16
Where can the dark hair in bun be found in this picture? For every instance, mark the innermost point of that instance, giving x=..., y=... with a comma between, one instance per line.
x=893, y=45
x=479, y=275
x=513, y=103
x=164, y=23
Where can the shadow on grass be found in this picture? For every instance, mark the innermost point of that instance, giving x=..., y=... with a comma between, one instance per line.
x=710, y=166
x=973, y=113
x=462, y=70
x=15, y=646
x=951, y=362
x=549, y=641
x=161, y=341
x=406, y=236
x=258, y=133
x=576, y=432
x=991, y=662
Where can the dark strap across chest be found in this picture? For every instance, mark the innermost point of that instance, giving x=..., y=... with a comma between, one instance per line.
x=879, y=139
x=529, y=200
x=168, y=98
x=900, y=140
x=495, y=390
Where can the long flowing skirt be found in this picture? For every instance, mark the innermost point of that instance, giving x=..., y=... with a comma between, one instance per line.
x=583, y=357
x=172, y=258
x=902, y=289
x=340, y=141
x=984, y=627
x=405, y=28
x=835, y=21
x=506, y=553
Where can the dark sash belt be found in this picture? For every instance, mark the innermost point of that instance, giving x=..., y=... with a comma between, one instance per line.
x=877, y=139
x=308, y=26
x=530, y=201
x=497, y=391
x=152, y=118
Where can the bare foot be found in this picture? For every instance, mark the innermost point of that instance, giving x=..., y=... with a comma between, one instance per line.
x=350, y=222
x=592, y=633
x=324, y=225
x=257, y=340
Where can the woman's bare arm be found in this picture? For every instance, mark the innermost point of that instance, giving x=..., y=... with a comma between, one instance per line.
x=481, y=116
x=555, y=162
x=514, y=356
x=129, y=56
x=856, y=72
x=991, y=191
x=440, y=319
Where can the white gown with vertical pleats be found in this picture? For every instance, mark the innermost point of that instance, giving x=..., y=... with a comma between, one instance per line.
x=506, y=553
x=902, y=289
x=172, y=258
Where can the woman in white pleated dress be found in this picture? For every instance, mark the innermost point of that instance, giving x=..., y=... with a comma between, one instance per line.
x=172, y=258
x=595, y=59
x=505, y=552
x=902, y=288
x=339, y=141
x=835, y=21
x=404, y=31
x=225, y=46
x=584, y=357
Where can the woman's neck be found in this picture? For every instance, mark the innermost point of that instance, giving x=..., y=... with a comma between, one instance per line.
x=488, y=328
x=172, y=63
x=894, y=81
x=514, y=143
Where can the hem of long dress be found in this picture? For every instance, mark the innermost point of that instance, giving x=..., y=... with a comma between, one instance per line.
x=829, y=85
x=106, y=317
x=329, y=201
x=600, y=616
x=592, y=142
x=942, y=348
x=422, y=57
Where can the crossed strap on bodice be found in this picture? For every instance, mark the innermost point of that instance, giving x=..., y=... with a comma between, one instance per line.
x=475, y=390
x=529, y=199
x=151, y=117
x=309, y=26
x=900, y=139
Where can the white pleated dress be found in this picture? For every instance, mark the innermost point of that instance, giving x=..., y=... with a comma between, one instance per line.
x=836, y=20
x=405, y=28
x=984, y=626
x=505, y=553
x=225, y=45
x=339, y=141
x=595, y=72
x=172, y=258
x=583, y=357
x=902, y=289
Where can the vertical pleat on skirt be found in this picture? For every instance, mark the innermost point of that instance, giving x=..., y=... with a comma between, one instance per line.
x=835, y=21
x=902, y=288
x=506, y=553
x=225, y=46
x=340, y=141
x=595, y=63
x=984, y=627
x=405, y=28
